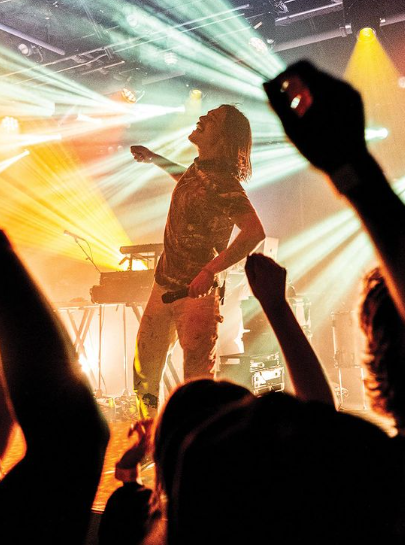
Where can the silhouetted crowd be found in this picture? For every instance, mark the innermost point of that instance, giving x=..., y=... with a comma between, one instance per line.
x=231, y=468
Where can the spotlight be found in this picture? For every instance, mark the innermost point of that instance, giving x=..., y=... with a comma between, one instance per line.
x=26, y=49
x=29, y=50
x=128, y=95
x=170, y=58
x=364, y=15
x=10, y=125
x=266, y=28
x=258, y=44
x=373, y=134
x=195, y=94
x=279, y=7
x=132, y=19
x=367, y=34
x=401, y=82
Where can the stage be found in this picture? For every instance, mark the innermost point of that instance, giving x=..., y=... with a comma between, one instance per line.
x=117, y=446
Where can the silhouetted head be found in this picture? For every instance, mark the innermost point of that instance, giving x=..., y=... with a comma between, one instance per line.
x=385, y=349
x=189, y=406
x=278, y=470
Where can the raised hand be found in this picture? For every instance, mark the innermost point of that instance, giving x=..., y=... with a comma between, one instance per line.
x=323, y=116
x=142, y=154
x=267, y=280
x=140, y=434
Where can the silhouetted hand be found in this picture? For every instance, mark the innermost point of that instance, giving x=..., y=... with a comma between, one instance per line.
x=323, y=116
x=6, y=416
x=140, y=433
x=267, y=280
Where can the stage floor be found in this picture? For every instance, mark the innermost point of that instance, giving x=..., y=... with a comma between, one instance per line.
x=118, y=444
x=108, y=483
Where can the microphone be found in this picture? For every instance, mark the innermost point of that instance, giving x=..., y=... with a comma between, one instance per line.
x=76, y=237
x=171, y=296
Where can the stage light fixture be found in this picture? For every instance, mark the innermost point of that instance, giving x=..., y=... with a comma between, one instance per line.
x=196, y=94
x=266, y=27
x=128, y=95
x=363, y=18
x=25, y=49
x=170, y=58
x=280, y=7
x=258, y=44
x=373, y=134
x=133, y=19
x=10, y=125
x=30, y=50
x=367, y=34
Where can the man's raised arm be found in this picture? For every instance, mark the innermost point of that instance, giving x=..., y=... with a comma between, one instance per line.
x=142, y=154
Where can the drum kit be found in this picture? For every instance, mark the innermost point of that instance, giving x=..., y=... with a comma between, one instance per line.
x=267, y=375
x=350, y=389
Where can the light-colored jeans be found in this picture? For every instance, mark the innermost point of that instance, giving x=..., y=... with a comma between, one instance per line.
x=193, y=321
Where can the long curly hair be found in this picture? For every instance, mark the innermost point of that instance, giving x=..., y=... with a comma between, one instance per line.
x=237, y=141
x=385, y=349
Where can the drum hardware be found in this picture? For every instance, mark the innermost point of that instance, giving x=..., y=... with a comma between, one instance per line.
x=268, y=380
x=124, y=408
x=347, y=361
x=266, y=372
x=301, y=307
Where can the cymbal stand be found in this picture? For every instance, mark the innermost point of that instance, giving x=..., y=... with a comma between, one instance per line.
x=124, y=321
x=99, y=391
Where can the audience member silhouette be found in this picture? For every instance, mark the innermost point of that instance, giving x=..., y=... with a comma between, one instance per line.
x=129, y=514
x=6, y=417
x=279, y=470
x=47, y=497
x=328, y=128
x=385, y=349
x=134, y=511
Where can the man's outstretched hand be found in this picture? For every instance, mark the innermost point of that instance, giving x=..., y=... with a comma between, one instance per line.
x=141, y=154
x=322, y=116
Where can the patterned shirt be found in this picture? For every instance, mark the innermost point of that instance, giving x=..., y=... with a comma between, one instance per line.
x=204, y=204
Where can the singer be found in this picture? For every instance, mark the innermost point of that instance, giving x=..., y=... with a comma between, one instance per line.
x=207, y=202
